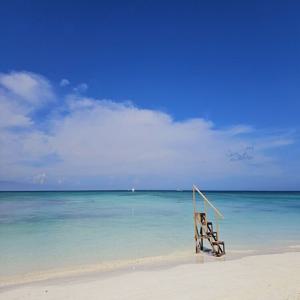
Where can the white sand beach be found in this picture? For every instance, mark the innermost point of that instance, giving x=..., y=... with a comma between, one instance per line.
x=272, y=276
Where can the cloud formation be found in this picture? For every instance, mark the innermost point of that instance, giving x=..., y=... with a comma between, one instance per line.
x=27, y=87
x=22, y=93
x=64, y=82
x=90, y=143
x=80, y=88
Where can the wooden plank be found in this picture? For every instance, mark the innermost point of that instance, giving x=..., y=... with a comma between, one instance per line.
x=212, y=206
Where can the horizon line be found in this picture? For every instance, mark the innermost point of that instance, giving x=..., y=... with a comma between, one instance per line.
x=149, y=190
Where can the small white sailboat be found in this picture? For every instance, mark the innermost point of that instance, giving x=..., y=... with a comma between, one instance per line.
x=133, y=190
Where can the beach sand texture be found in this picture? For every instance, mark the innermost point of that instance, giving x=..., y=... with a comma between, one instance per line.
x=273, y=276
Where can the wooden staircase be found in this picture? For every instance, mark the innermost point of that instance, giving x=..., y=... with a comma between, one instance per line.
x=204, y=228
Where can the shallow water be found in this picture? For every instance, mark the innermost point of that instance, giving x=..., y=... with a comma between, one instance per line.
x=46, y=230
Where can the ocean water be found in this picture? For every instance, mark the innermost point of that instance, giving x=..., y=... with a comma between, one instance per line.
x=40, y=231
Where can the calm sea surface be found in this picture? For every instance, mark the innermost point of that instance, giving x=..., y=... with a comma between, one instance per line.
x=45, y=230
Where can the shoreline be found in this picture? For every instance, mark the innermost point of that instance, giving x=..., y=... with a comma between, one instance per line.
x=268, y=276
x=119, y=267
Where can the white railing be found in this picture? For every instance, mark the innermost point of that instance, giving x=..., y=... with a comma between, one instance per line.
x=207, y=205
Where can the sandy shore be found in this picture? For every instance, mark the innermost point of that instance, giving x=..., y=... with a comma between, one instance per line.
x=274, y=276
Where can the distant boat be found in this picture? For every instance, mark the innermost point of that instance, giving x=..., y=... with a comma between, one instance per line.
x=133, y=190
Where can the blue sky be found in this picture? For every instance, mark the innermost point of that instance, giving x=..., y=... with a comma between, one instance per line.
x=228, y=67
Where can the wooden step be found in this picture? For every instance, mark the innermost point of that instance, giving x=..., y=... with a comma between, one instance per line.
x=215, y=243
x=200, y=217
x=209, y=226
x=203, y=218
x=212, y=234
x=206, y=232
x=220, y=250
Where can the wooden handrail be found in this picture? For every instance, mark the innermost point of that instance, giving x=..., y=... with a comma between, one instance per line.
x=206, y=228
x=208, y=202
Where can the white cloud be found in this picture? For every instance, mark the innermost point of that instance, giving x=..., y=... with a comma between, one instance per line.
x=240, y=129
x=64, y=82
x=108, y=144
x=22, y=93
x=80, y=88
x=12, y=115
x=33, y=88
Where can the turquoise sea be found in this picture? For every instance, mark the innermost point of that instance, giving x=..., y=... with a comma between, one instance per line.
x=40, y=231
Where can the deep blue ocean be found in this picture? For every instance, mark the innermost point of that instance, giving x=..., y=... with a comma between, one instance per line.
x=46, y=230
